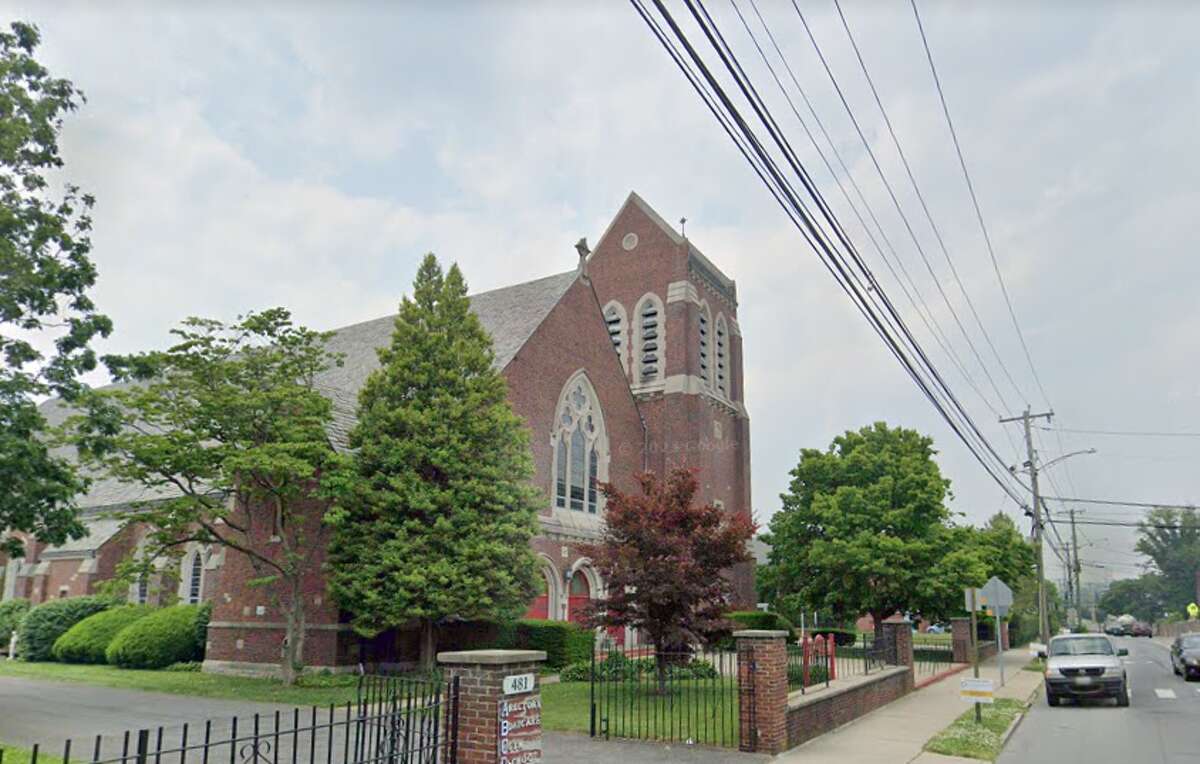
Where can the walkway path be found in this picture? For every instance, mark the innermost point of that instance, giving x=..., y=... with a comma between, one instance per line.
x=896, y=733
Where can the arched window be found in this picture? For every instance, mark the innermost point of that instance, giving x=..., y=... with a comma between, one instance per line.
x=580, y=448
x=618, y=330
x=722, y=353
x=705, y=337
x=650, y=357
x=195, y=578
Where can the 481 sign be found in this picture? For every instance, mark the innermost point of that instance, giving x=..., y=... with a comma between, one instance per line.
x=520, y=722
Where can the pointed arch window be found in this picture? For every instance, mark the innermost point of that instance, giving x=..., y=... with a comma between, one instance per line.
x=722, y=356
x=580, y=448
x=704, y=331
x=650, y=355
x=195, y=578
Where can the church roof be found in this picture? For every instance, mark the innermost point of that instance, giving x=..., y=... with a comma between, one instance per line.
x=510, y=315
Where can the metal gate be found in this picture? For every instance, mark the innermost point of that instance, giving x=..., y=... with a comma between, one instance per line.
x=396, y=720
x=687, y=696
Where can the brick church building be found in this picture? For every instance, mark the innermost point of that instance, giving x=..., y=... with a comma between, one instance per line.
x=630, y=361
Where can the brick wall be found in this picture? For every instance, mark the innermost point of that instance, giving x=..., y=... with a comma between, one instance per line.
x=811, y=716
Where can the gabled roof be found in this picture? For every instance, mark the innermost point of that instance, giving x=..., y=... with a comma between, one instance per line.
x=510, y=315
x=706, y=266
x=99, y=531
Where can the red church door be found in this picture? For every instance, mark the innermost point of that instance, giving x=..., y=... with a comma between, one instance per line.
x=540, y=607
x=579, y=594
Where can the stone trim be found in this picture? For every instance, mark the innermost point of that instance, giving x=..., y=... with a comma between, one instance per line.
x=278, y=625
x=682, y=291
x=491, y=657
x=760, y=634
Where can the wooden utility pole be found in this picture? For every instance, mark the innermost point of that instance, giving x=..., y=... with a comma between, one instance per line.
x=975, y=652
x=1043, y=616
x=1076, y=566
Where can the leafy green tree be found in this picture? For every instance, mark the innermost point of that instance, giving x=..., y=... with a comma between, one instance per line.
x=436, y=514
x=1144, y=597
x=1171, y=539
x=45, y=274
x=864, y=528
x=229, y=428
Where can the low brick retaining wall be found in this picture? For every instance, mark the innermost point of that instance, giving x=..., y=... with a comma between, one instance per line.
x=812, y=715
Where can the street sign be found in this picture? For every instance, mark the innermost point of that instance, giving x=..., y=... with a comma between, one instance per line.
x=997, y=594
x=976, y=690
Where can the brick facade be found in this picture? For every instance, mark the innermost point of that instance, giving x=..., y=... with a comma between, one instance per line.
x=684, y=418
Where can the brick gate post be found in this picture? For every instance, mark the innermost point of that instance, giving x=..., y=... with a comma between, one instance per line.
x=960, y=631
x=1004, y=645
x=898, y=641
x=499, y=721
x=762, y=690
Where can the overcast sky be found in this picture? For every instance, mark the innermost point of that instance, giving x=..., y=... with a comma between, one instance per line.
x=308, y=157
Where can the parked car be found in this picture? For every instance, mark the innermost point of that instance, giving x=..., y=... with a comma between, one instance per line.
x=937, y=628
x=1141, y=630
x=1085, y=666
x=1185, y=656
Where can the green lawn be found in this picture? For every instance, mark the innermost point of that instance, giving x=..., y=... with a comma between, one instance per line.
x=932, y=639
x=10, y=755
x=314, y=690
x=705, y=711
x=972, y=740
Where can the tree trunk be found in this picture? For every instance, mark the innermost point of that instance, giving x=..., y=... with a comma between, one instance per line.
x=293, y=647
x=660, y=666
x=428, y=645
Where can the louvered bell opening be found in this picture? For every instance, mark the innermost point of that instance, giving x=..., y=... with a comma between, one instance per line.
x=650, y=334
x=650, y=310
x=649, y=347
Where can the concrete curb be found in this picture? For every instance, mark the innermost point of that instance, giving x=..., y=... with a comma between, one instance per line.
x=1016, y=722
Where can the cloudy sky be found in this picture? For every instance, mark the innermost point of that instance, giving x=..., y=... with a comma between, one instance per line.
x=307, y=157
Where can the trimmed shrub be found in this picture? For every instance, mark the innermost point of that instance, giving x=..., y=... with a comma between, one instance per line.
x=617, y=667
x=164, y=637
x=841, y=637
x=86, y=641
x=752, y=619
x=11, y=613
x=564, y=642
x=43, y=625
x=202, y=619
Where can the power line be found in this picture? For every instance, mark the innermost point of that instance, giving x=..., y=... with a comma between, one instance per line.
x=962, y=162
x=1134, y=433
x=866, y=299
x=937, y=234
x=1115, y=503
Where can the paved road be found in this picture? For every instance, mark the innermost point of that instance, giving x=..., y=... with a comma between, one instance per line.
x=35, y=711
x=1161, y=725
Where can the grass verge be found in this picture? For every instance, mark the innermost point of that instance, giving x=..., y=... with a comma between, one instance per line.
x=969, y=739
x=12, y=755
x=315, y=690
x=1037, y=664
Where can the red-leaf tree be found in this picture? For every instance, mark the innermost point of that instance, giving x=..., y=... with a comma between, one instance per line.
x=665, y=560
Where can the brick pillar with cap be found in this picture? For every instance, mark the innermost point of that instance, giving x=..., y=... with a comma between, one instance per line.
x=762, y=689
x=960, y=633
x=497, y=724
x=898, y=645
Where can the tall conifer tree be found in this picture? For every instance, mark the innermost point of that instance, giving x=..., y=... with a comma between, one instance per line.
x=437, y=513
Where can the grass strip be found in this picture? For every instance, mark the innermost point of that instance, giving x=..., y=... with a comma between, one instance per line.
x=314, y=690
x=972, y=740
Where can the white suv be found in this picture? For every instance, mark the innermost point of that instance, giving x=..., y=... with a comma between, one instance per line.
x=1085, y=666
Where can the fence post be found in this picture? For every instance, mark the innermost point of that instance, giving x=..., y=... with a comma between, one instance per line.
x=897, y=632
x=832, y=658
x=493, y=722
x=143, y=746
x=762, y=680
x=960, y=631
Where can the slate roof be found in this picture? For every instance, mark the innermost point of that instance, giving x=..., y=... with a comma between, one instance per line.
x=510, y=315
x=100, y=530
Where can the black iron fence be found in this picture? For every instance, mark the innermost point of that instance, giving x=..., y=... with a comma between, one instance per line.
x=395, y=721
x=863, y=656
x=931, y=656
x=688, y=696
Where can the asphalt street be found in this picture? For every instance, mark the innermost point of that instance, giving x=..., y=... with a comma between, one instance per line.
x=1160, y=726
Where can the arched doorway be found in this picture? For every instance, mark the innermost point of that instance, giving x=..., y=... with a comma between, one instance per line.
x=578, y=595
x=540, y=607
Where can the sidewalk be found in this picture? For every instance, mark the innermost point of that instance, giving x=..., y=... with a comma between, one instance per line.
x=896, y=733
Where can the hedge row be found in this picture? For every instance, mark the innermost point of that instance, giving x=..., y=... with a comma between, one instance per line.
x=43, y=625
x=166, y=636
x=564, y=642
x=11, y=613
x=87, y=641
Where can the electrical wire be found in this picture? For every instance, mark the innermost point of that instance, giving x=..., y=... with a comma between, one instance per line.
x=1133, y=433
x=885, y=324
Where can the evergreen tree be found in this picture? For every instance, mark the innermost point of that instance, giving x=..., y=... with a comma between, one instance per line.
x=437, y=512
